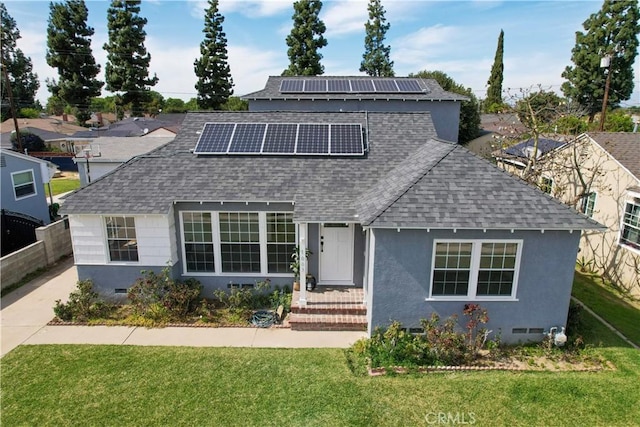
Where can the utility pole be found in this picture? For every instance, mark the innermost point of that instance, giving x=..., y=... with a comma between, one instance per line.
x=13, y=107
x=605, y=62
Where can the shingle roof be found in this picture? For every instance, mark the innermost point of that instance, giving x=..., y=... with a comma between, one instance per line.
x=623, y=146
x=433, y=91
x=114, y=149
x=407, y=179
x=524, y=148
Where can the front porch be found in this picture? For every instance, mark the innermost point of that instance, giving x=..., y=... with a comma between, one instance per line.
x=329, y=308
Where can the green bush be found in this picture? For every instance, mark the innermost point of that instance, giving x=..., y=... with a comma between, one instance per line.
x=83, y=304
x=161, y=298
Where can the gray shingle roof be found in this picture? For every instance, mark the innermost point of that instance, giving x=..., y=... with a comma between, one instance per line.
x=623, y=146
x=433, y=91
x=407, y=179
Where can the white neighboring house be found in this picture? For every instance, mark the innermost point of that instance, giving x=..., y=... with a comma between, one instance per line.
x=102, y=155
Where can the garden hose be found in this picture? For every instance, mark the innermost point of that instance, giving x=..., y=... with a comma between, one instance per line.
x=263, y=318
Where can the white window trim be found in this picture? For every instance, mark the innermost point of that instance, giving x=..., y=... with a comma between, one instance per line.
x=217, y=251
x=551, y=184
x=585, y=202
x=476, y=250
x=33, y=182
x=621, y=228
x=107, y=252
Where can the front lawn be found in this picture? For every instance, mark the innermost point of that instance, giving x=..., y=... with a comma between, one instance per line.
x=623, y=314
x=62, y=185
x=127, y=385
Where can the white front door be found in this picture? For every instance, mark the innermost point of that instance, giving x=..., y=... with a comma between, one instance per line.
x=336, y=254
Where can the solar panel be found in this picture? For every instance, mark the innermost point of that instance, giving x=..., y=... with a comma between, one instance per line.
x=339, y=85
x=408, y=85
x=315, y=85
x=346, y=139
x=385, y=85
x=215, y=138
x=280, y=138
x=313, y=139
x=247, y=138
x=291, y=85
x=362, y=86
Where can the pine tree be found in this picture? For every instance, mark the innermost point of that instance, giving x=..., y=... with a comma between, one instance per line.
x=69, y=50
x=214, y=84
x=375, y=60
x=494, y=91
x=127, y=68
x=23, y=81
x=611, y=31
x=305, y=39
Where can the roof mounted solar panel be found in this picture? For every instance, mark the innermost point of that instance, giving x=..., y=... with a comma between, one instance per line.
x=280, y=138
x=385, y=85
x=319, y=85
x=292, y=85
x=215, y=138
x=346, y=139
x=409, y=85
x=362, y=86
x=338, y=85
x=247, y=138
x=313, y=139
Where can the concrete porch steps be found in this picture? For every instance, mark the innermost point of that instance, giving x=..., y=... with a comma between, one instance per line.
x=329, y=309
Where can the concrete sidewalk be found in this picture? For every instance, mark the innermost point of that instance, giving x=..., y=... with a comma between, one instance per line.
x=27, y=310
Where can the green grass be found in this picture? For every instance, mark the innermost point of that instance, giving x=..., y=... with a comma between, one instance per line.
x=623, y=314
x=62, y=185
x=126, y=385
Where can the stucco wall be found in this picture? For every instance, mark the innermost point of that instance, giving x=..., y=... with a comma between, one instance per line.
x=445, y=114
x=97, y=169
x=402, y=278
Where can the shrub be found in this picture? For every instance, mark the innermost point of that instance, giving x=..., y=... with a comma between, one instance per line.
x=29, y=141
x=161, y=298
x=83, y=304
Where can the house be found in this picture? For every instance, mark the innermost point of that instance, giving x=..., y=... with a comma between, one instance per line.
x=599, y=174
x=23, y=203
x=362, y=93
x=51, y=129
x=515, y=158
x=99, y=156
x=132, y=127
x=497, y=130
x=419, y=224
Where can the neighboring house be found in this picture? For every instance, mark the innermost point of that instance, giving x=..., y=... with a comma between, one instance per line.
x=497, y=131
x=514, y=159
x=51, y=130
x=362, y=93
x=53, y=139
x=599, y=174
x=24, y=203
x=420, y=224
x=102, y=155
x=133, y=127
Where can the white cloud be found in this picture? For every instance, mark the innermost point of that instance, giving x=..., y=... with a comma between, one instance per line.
x=249, y=8
x=344, y=17
x=424, y=45
x=250, y=67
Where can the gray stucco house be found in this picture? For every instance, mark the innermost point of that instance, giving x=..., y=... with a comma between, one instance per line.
x=362, y=93
x=419, y=223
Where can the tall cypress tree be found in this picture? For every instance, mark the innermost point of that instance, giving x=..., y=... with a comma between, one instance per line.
x=214, y=84
x=305, y=39
x=611, y=31
x=494, y=91
x=69, y=50
x=375, y=60
x=24, y=82
x=127, y=68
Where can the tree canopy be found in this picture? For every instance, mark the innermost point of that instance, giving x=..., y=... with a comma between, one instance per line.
x=214, y=84
x=127, y=68
x=469, y=127
x=375, y=60
x=494, y=91
x=69, y=50
x=305, y=39
x=19, y=68
x=612, y=31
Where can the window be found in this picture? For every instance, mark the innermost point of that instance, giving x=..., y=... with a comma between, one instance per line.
x=546, y=184
x=121, y=238
x=589, y=204
x=470, y=269
x=240, y=242
x=198, y=241
x=281, y=241
x=23, y=184
x=630, y=234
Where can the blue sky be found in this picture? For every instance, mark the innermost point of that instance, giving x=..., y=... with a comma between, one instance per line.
x=457, y=37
